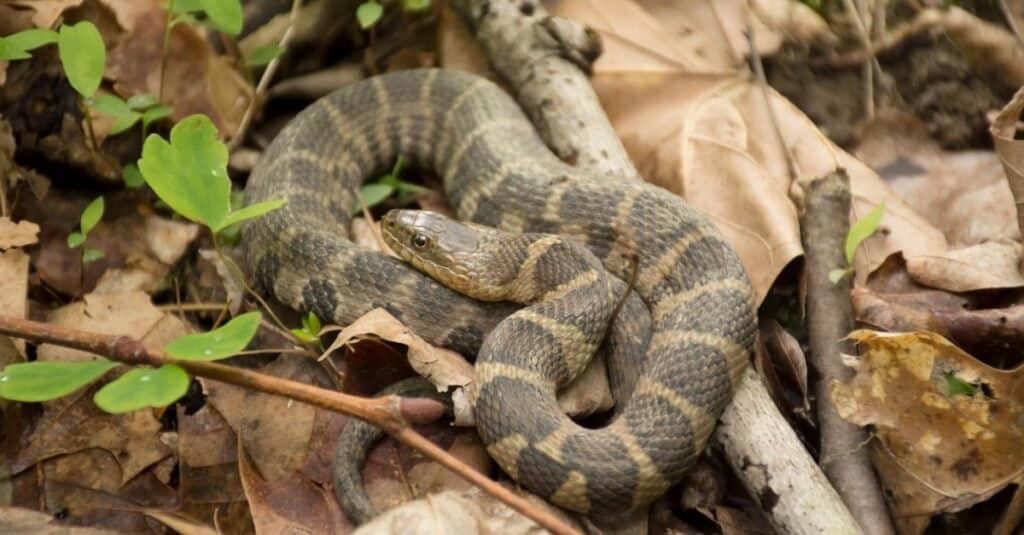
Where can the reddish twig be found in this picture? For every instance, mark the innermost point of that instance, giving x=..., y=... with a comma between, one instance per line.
x=393, y=414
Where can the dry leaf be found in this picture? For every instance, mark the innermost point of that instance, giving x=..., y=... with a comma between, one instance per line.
x=978, y=267
x=443, y=367
x=197, y=80
x=932, y=181
x=290, y=505
x=46, y=11
x=13, y=294
x=704, y=132
x=948, y=426
x=20, y=520
x=466, y=512
x=17, y=234
x=1010, y=150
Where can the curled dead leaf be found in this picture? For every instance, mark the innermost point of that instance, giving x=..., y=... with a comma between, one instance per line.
x=949, y=427
x=1011, y=150
x=17, y=234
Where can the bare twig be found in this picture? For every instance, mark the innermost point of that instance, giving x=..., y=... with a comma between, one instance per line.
x=265, y=79
x=762, y=82
x=824, y=226
x=871, y=64
x=391, y=413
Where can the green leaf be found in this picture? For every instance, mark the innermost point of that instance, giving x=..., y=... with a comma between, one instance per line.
x=311, y=322
x=837, y=275
x=76, y=239
x=263, y=55
x=91, y=254
x=132, y=176
x=374, y=194
x=142, y=101
x=415, y=5
x=189, y=173
x=249, y=212
x=226, y=15
x=113, y=106
x=369, y=13
x=32, y=39
x=187, y=6
x=305, y=336
x=229, y=339
x=155, y=114
x=11, y=52
x=958, y=387
x=143, y=387
x=41, y=381
x=83, y=55
x=862, y=230
x=92, y=214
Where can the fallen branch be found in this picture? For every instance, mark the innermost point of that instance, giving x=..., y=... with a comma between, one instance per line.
x=391, y=413
x=844, y=457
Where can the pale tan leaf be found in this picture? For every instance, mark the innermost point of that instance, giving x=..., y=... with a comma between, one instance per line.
x=1011, y=150
x=17, y=234
x=978, y=267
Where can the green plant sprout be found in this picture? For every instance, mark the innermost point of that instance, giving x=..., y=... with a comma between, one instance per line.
x=90, y=217
x=126, y=113
x=860, y=231
x=310, y=330
x=374, y=193
x=138, y=388
x=263, y=55
x=369, y=13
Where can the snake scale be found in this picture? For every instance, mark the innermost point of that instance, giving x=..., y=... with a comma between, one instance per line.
x=497, y=172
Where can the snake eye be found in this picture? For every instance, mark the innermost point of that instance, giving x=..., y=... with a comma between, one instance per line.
x=420, y=241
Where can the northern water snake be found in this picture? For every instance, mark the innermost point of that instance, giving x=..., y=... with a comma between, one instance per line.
x=496, y=171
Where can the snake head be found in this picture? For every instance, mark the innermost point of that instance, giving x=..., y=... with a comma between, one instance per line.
x=456, y=254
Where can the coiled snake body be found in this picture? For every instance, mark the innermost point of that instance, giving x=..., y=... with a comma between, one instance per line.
x=497, y=172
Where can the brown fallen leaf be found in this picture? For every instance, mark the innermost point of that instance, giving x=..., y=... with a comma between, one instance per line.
x=932, y=180
x=14, y=267
x=46, y=11
x=984, y=266
x=465, y=512
x=17, y=234
x=290, y=505
x=20, y=520
x=87, y=487
x=197, y=79
x=947, y=426
x=701, y=129
x=1011, y=150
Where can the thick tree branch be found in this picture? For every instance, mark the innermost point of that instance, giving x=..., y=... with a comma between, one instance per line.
x=391, y=413
x=824, y=225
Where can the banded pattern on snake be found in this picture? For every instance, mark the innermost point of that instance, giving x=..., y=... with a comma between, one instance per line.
x=497, y=172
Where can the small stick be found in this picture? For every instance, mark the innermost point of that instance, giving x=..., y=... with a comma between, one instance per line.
x=268, y=75
x=391, y=413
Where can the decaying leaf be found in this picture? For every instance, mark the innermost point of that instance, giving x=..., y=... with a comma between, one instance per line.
x=949, y=427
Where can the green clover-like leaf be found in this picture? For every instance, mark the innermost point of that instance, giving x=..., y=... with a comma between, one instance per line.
x=155, y=114
x=142, y=101
x=190, y=172
x=229, y=339
x=83, y=56
x=374, y=194
x=42, y=381
x=415, y=5
x=956, y=386
x=142, y=388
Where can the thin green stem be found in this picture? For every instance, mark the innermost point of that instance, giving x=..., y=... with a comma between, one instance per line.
x=88, y=123
x=163, y=55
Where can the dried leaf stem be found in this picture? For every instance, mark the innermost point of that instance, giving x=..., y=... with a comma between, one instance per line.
x=391, y=413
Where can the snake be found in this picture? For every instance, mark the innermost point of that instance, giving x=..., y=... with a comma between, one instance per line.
x=497, y=172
